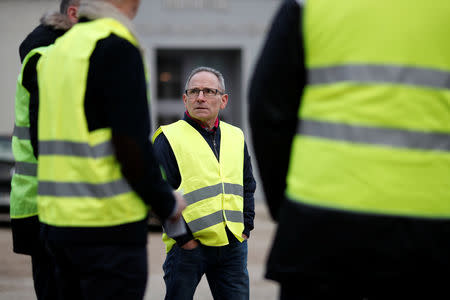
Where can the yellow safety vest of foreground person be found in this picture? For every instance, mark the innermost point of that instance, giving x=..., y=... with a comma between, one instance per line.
x=374, y=129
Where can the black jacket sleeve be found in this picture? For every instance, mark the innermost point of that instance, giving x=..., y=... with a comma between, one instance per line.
x=30, y=83
x=274, y=99
x=249, y=191
x=116, y=98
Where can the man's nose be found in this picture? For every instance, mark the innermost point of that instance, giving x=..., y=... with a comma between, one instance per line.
x=201, y=96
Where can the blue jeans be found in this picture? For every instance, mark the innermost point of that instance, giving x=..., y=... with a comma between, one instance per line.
x=225, y=269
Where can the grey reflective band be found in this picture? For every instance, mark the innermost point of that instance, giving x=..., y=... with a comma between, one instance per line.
x=21, y=132
x=24, y=168
x=212, y=191
x=234, y=189
x=207, y=221
x=380, y=74
x=83, y=189
x=75, y=149
x=214, y=219
x=203, y=193
x=234, y=216
x=397, y=138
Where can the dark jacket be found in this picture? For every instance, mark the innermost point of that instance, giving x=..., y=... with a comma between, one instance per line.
x=116, y=74
x=167, y=159
x=315, y=246
x=25, y=231
x=50, y=28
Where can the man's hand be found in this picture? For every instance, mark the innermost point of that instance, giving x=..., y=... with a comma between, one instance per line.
x=192, y=244
x=244, y=237
x=181, y=205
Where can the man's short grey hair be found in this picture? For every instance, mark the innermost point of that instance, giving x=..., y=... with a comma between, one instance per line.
x=65, y=5
x=210, y=70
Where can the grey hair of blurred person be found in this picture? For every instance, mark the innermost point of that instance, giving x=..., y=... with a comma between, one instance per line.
x=66, y=3
x=210, y=70
x=127, y=7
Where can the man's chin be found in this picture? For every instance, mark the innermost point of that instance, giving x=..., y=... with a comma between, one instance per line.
x=202, y=115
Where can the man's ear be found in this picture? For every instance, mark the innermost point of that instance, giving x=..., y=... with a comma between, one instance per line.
x=184, y=100
x=72, y=13
x=224, y=101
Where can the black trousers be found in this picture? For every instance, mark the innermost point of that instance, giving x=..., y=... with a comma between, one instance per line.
x=26, y=240
x=100, y=271
x=354, y=289
x=43, y=270
x=296, y=290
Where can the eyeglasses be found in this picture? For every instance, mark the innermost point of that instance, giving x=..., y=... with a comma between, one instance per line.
x=207, y=92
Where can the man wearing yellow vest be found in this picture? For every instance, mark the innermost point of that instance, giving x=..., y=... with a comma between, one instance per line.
x=23, y=200
x=350, y=118
x=207, y=160
x=97, y=172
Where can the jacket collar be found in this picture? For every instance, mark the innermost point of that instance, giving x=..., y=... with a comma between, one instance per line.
x=56, y=21
x=194, y=123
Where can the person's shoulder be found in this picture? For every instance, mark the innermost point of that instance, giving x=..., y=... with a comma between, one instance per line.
x=169, y=130
x=52, y=26
x=160, y=142
x=233, y=128
x=160, y=131
x=114, y=41
x=157, y=136
x=115, y=48
x=39, y=37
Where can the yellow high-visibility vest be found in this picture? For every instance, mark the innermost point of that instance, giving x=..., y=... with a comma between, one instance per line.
x=374, y=122
x=80, y=180
x=213, y=189
x=23, y=198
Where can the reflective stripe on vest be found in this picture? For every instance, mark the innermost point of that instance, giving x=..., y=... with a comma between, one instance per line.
x=396, y=138
x=420, y=77
x=373, y=133
x=21, y=132
x=28, y=169
x=80, y=181
x=23, y=197
x=83, y=189
x=75, y=149
x=214, y=219
x=213, y=189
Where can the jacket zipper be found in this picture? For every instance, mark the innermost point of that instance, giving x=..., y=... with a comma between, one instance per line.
x=215, y=145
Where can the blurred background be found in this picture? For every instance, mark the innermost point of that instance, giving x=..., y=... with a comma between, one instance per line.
x=178, y=35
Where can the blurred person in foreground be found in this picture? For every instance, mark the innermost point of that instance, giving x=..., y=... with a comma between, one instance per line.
x=97, y=172
x=23, y=199
x=207, y=160
x=350, y=119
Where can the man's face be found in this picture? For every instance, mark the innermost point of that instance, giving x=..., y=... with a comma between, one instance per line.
x=203, y=107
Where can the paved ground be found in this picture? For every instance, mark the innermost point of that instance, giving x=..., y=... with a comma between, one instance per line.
x=16, y=282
